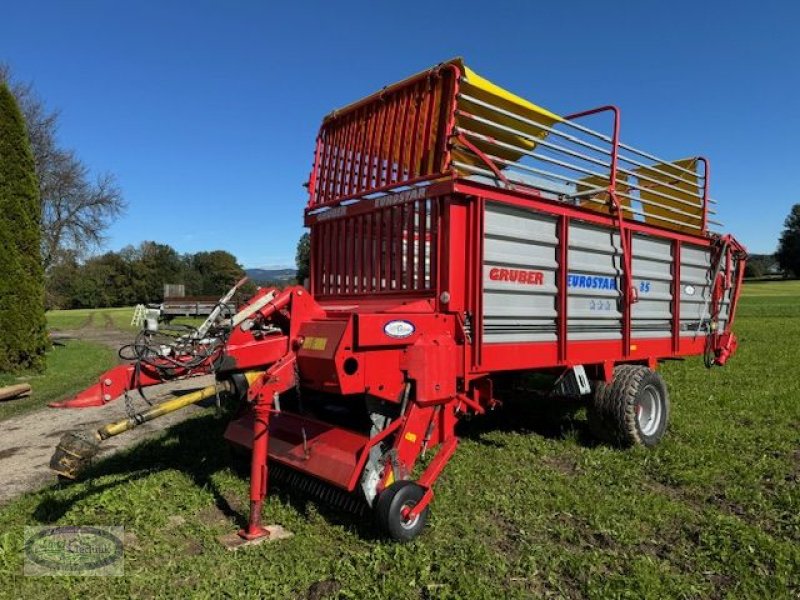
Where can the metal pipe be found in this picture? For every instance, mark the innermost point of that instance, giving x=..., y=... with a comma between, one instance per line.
x=644, y=215
x=527, y=121
x=621, y=145
x=597, y=190
x=536, y=140
x=584, y=157
x=578, y=141
x=656, y=204
x=160, y=410
x=521, y=167
x=569, y=166
x=636, y=186
x=76, y=449
x=531, y=154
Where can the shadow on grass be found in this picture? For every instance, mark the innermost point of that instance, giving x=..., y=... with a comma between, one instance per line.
x=196, y=448
x=553, y=418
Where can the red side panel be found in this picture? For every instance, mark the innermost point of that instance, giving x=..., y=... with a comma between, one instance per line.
x=329, y=453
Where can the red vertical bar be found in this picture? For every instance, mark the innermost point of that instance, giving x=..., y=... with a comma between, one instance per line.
x=347, y=165
x=322, y=181
x=330, y=181
x=413, y=167
x=381, y=154
x=324, y=254
x=351, y=254
x=447, y=117
x=359, y=133
x=388, y=235
x=421, y=253
x=625, y=234
x=358, y=241
x=370, y=246
x=365, y=157
x=331, y=253
x=405, y=137
x=397, y=276
x=411, y=244
x=430, y=125
x=328, y=255
x=435, y=249
x=312, y=180
x=342, y=256
x=341, y=158
x=346, y=256
x=357, y=168
x=313, y=284
x=563, y=288
x=379, y=235
x=676, y=296
x=388, y=127
x=363, y=254
x=397, y=245
x=396, y=111
x=350, y=143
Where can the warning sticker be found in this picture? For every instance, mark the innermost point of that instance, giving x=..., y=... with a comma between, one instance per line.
x=315, y=343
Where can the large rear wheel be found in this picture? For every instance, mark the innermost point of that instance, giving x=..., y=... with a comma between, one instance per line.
x=631, y=410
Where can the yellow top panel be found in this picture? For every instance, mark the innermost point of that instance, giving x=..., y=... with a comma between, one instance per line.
x=523, y=106
x=515, y=127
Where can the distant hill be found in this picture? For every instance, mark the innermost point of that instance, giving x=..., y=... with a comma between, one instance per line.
x=258, y=276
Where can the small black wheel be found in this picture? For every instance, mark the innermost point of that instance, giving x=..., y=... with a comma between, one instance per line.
x=391, y=505
x=632, y=410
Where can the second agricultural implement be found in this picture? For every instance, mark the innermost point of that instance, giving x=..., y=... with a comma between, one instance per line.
x=459, y=234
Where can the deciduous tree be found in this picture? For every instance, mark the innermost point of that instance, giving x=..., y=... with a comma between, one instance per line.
x=76, y=208
x=788, y=254
x=303, y=258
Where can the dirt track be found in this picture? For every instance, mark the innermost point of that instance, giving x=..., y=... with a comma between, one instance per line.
x=27, y=441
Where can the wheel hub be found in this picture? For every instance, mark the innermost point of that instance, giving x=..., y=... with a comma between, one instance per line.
x=649, y=411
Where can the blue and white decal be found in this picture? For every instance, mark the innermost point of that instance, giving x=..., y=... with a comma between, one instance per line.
x=591, y=282
x=595, y=282
x=399, y=329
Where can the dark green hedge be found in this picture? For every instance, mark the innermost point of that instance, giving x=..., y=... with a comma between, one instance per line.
x=23, y=336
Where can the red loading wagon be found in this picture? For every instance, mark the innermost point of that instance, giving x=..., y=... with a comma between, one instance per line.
x=459, y=233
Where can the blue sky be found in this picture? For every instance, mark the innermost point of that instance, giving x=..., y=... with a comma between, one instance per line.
x=207, y=111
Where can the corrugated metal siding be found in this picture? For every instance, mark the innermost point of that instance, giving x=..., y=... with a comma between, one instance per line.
x=651, y=316
x=595, y=267
x=517, y=243
x=695, y=289
x=521, y=242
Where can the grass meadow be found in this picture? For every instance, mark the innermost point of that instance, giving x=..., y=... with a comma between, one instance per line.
x=529, y=507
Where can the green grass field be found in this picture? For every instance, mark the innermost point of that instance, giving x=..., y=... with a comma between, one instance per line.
x=70, y=368
x=528, y=507
x=101, y=318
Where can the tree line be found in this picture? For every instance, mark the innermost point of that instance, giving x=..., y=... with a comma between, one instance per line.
x=137, y=275
x=786, y=260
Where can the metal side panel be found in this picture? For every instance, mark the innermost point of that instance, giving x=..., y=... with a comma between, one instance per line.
x=651, y=316
x=695, y=289
x=519, y=275
x=593, y=282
